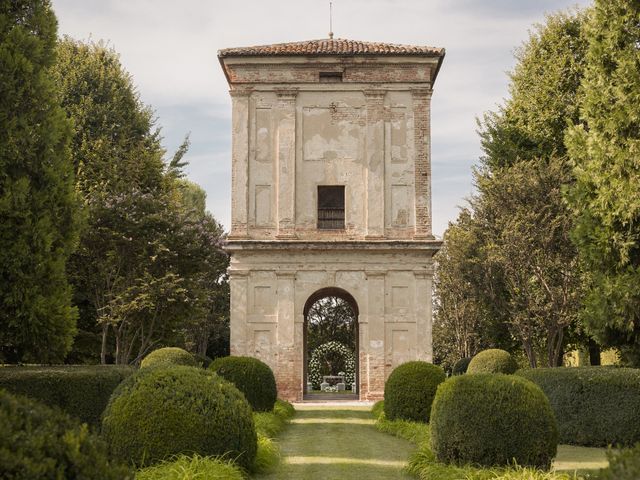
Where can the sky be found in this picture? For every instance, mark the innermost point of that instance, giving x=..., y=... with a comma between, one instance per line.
x=169, y=47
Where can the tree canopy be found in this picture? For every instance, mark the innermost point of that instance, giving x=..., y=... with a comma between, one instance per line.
x=605, y=152
x=38, y=205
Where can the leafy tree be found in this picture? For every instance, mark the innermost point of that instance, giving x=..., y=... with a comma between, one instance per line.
x=464, y=323
x=38, y=206
x=149, y=269
x=522, y=270
x=605, y=199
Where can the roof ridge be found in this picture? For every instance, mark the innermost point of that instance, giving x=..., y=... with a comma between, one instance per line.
x=332, y=46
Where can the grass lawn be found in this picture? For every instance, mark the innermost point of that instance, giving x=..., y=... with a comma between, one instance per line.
x=339, y=443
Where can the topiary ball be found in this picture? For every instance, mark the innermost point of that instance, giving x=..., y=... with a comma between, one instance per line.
x=160, y=412
x=45, y=443
x=493, y=419
x=493, y=360
x=252, y=377
x=460, y=367
x=168, y=356
x=410, y=389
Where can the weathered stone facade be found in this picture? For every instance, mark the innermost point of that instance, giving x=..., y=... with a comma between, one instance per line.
x=336, y=116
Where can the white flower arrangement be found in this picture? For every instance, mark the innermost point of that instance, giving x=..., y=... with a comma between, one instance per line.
x=349, y=375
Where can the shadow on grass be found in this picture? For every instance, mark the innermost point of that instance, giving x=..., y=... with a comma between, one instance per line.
x=339, y=444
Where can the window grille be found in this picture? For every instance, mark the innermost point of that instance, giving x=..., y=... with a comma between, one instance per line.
x=331, y=207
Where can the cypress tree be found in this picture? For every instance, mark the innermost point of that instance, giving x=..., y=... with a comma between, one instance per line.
x=38, y=207
x=605, y=150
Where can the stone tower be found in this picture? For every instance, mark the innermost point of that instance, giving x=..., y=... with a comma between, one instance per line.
x=331, y=194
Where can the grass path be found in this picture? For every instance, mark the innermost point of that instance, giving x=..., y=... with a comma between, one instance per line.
x=331, y=443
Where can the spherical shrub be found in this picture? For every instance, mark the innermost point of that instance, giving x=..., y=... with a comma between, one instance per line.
x=594, y=406
x=461, y=366
x=252, y=377
x=493, y=419
x=168, y=356
x=410, y=389
x=159, y=412
x=493, y=360
x=41, y=442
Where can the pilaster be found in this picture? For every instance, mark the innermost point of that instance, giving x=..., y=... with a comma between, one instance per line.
x=240, y=163
x=286, y=158
x=423, y=309
x=375, y=149
x=422, y=134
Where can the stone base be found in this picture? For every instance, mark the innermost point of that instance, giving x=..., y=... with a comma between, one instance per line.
x=273, y=282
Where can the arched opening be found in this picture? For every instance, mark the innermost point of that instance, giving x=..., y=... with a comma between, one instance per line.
x=330, y=346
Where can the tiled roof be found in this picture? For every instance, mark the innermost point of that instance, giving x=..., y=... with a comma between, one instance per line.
x=332, y=46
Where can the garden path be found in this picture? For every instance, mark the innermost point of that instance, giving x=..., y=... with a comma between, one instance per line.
x=338, y=442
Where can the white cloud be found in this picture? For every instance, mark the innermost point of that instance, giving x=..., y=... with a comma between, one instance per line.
x=170, y=49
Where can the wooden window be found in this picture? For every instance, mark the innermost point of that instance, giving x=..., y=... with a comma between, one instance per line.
x=331, y=207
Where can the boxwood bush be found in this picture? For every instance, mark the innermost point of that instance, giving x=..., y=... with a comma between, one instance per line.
x=38, y=442
x=168, y=356
x=594, y=406
x=493, y=360
x=160, y=412
x=410, y=389
x=461, y=366
x=252, y=377
x=493, y=419
x=81, y=391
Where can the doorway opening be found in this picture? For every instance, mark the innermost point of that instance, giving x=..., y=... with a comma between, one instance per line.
x=330, y=346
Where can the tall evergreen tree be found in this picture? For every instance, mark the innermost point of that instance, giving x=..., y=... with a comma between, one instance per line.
x=38, y=209
x=605, y=150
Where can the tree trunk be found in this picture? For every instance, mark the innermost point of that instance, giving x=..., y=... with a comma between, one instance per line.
x=594, y=353
x=103, y=348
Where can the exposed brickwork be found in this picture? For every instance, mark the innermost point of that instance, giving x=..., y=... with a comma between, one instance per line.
x=422, y=127
x=310, y=73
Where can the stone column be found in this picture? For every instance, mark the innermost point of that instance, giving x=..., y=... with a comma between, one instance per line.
x=238, y=283
x=240, y=163
x=423, y=313
x=286, y=158
x=372, y=366
x=375, y=163
x=422, y=135
x=289, y=369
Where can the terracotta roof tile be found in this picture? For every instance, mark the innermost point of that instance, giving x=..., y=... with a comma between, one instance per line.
x=331, y=46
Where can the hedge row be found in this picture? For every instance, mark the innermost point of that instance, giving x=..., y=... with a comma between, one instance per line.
x=38, y=442
x=81, y=391
x=594, y=406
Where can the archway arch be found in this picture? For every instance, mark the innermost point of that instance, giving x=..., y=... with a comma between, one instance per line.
x=335, y=308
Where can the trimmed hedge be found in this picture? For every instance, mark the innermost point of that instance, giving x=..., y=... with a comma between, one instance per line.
x=594, y=406
x=81, y=391
x=45, y=443
x=168, y=356
x=160, y=412
x=493, y=419
x=410, y=389
x=460, y=367
x=252, y=377
x=493, y=360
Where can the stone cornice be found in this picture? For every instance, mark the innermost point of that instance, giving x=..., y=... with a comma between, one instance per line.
x=303, y=245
